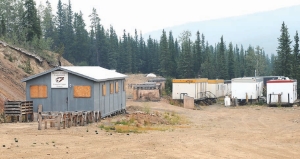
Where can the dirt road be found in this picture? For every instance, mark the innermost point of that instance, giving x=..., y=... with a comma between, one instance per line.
x=214, y=132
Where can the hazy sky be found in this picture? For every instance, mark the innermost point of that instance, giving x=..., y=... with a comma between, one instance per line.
x=150, y=15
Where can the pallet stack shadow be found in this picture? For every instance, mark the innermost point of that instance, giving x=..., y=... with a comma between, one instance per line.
x=19, y=109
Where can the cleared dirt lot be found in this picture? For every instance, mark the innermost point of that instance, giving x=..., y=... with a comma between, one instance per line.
x=214, y=132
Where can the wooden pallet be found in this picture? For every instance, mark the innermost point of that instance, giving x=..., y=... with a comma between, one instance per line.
x=18, y=109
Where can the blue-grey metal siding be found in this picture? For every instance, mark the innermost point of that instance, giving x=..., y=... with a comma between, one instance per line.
x=123, y=95
x=62, y=99
x=46, y=102
x=80, y=104
x=97, y=97
x=59, y=98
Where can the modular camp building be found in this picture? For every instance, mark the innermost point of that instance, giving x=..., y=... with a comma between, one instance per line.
x=216, y=87
x=195, y=88
x=77, y=88
x=227, y=88
x=281, y=91
x=250, y=88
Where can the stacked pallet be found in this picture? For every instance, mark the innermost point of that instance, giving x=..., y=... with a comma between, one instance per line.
x=19, y=109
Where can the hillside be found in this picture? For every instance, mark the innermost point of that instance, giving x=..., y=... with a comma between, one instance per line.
x=261, y=29
x=13, y=63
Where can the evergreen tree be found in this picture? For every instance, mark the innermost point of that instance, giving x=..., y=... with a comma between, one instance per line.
x=185, y=64
x=164, y=56
x=296, y=58
x=142, y=54
x=31, y=22
x=197, y=55
x=223, y=72
x=135, y=52
x=69, y=32
x=47, y=23
x=231, y=62
x=81, y=45
x=242, y=62
x=237, y=62
x=172, y=54
x=296, y=62
x=60, y=24
x=113, y=43
x=284, y=52
x=2, y=27
x=250, y=62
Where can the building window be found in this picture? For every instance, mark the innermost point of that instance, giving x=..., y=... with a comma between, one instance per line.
x=103, y=90
x=38, y=91
x=117, y=87
x=111, y=88
x=82, y=92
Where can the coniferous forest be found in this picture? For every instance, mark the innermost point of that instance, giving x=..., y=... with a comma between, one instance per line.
x=38, y=28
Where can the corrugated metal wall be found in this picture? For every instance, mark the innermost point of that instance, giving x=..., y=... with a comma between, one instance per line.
x=46, y=102
x=62, y=99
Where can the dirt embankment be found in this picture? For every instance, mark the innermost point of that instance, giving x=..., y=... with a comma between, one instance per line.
x=14, y=66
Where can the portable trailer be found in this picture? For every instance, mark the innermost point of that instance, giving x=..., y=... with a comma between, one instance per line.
x=267, y=78
x=281, y=91
x=247, y=88
x=216, y=87
x=192, y=87
x=227, y=88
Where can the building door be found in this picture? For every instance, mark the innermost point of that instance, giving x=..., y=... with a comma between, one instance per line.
x=59, y=99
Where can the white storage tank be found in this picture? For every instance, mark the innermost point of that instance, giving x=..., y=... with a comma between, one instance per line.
x=227, y=101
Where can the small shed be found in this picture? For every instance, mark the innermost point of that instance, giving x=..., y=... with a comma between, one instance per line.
x=77, y=88
x=158, y=80
x=281, y=91
x=195, y=88
x=247, y=88
x=148, y=91
x=216, y=87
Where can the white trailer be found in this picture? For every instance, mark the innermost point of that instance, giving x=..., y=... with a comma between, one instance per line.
x=281, y=91
x=216, y=87
x=227, y=88
x=195, y=88
x=247, y=88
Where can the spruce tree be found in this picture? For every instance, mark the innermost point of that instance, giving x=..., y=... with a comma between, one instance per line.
x=164, y=58
x=47, y=22
x=185, y=64
x=231, y=62
x=284, y=52
x=172, y=54
x=223, y=72
x=296, y=62
x=2, y=27
x=197, y=55
x=296, y=58
x=31, y=22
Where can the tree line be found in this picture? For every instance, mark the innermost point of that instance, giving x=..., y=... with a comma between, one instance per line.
x=22, y=23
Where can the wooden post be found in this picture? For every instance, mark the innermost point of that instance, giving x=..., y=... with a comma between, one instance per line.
x=40, y=108
x=58, y=121
x=246, y=97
